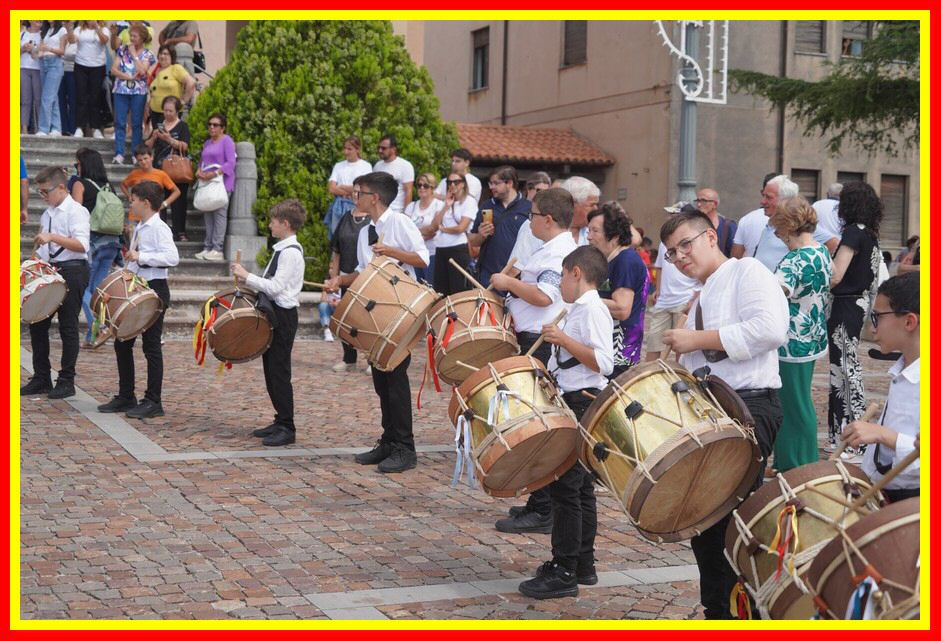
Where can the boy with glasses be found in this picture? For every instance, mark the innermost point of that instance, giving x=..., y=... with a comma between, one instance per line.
x=734, y=329
x=62, y=241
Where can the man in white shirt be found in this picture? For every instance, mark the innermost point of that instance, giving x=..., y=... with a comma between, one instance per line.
x=399, y=168
x=828, y=217
x=151, y=252
x=735, y=328
x=755, y=237
x=460, y=164
x=401, y=241
x=586, y=195
x=62, y=241
x=896, y=322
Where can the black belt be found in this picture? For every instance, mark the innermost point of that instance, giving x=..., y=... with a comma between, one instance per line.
x=756, y=392
x=529, y=335
x=78, y=262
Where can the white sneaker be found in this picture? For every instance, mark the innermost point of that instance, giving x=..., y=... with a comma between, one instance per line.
x=78, y=133
x=55, y=133
x=201, y=255
x=368, y=371
x=41, y=133
x=328, y=335
x=214, y=256
x=343, y=367
x=118, y=160
x=97, y=134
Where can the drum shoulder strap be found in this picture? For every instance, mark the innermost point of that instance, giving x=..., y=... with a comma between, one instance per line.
x=712, y=355
x=49, y=230
x=272, y=267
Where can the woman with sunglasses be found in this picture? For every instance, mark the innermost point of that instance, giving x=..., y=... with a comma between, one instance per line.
x=451, y=223
x=422, y=212
x=217, y=159
x=804, y=275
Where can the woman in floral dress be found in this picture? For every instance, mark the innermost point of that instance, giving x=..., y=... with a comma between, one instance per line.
x=804, y=274
x=853, y=284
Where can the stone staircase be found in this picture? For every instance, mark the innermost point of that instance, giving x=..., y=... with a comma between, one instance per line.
x=192, y=282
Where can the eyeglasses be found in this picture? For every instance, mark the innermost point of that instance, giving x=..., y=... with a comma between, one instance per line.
x=215, y=124
x=874, y=315
x=537, y=213
x=363, y=193
x=46, y=192
x=705, y=200
x=682, y=246
x=455, y=182
x=424, y=186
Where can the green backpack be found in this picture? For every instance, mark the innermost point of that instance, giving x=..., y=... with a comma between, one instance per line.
x=108, y=215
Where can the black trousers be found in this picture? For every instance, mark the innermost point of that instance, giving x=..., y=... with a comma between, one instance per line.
x=76, y=279
x=395, y=402
x=447, y=279
x=153, y=352
x=89, y=94
x=538, y=501
x=716, y=576
x=574, y=509
x=178, y=211
x=895, y=496
x=277, y=365
x=349, y=352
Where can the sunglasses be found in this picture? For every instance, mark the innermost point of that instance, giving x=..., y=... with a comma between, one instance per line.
x=215, y=124
x=424, y=186
x=455, y=182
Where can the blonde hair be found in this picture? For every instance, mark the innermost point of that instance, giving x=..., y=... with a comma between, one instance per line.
x=794, y=216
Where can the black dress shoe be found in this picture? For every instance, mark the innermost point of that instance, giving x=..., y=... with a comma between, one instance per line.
x=527, y=522
x=118, y=404
x=36, y=386
x=376, y=455
x=280, y=436
x=145, y=409
x=551, y=582
x=63, y=389
x=400, y=460
x=262, y=432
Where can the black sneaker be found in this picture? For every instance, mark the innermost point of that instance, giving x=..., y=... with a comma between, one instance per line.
x=63, y=389
x=376, y=455
x=36, y=386
x=551, y=582
x=280, y=436
x=527, y=522
x=518, y=510
x=118, y=404
x=262, y=432
x=586, y=576
x=399, y=460
x=145, y=409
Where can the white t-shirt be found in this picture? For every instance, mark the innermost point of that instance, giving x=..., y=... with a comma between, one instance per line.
x=345, y=172
x=676, y=288
x=452, y=218
x=54, y=40
x=403, y=172
x=473, y=187
x=828, y=218
x=26, y=59
x=91, y=51
x=422, y=217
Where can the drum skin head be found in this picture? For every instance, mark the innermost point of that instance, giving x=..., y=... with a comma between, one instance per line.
x=137, y=316
x=487, y=346
x=43, y=302
x=240, y=335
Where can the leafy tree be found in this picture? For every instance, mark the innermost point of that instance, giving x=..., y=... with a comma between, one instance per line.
x=297, y=89
x=870, y=101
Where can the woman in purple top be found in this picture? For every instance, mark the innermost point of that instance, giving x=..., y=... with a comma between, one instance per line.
x=218, y=158
x=625, y=292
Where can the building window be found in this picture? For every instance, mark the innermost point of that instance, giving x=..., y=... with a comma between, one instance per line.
x=811, y=36
x=855, y=34
x=574, y=42
x=844, y=177
x=481, y=58
x=808, y=181
x=894, y=226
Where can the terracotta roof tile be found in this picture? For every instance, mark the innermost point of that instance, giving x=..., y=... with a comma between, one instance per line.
x=503, y=144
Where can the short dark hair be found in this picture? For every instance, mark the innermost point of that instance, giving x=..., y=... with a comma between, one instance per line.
x=505, y=173
x=557, y=203
x=383, y=184
x=695, y=218
x=177, y=103
x=221, y=117
x=590, y=260
x=143, y=150
x=392, y=141
x=54, y=176
x=149, y=191
x=768, y=177
x=615, y=222
x=170, y=50
x=290, y=211
x=903, y=292
x=462, y=153
x=859, y=204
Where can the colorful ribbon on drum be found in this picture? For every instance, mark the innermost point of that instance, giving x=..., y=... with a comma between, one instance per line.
x=200, y=332
x=462, y=447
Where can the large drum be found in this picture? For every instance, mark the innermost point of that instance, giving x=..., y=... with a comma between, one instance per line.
x=778, y=530
x=522, y=435
x=469, y=328
x=42, y=290
x=235, y=330
x=383, y=313
x=124, y=306
x=678, y=453
x=872, y=569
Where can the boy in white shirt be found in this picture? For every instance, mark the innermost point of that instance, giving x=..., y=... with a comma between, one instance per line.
x=896, y=322
x=582, y=356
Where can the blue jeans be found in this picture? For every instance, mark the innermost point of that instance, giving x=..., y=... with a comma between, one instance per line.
x=104, y=249
x=123, y=103
x=426, y=273
x=325, y=313
x=67, y=103
x=51, y=70
x=335, y=212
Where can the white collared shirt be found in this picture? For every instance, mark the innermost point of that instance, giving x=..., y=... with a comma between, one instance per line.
x=744, y=302
x=154, y=242
x=544, y=269
x=285, y=284
x=68, y=219
x=588, y=322
x=397, y=230
x=902, y=413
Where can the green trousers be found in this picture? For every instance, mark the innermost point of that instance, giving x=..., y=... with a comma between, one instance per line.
x=796, y=443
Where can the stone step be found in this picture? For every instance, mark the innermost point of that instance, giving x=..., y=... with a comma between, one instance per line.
x=186, y=249
x=32, y=142
x=39, y=159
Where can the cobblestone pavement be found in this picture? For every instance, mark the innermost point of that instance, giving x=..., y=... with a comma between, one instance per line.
x=214, y=528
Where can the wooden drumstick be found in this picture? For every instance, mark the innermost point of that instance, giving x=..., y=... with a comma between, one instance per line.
x=505, y=270
x=891, y=474
x=313, y=284
x=471, y=367
x=589, y=394
x=539, y=340
x=238, y=260
x=870, y=412
x=470, y=278
x=679, y=325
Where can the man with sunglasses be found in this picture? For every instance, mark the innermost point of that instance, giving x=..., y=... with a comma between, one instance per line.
x=735, y=328
x=62, y=240
x=896, y=323
x=399, y=168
